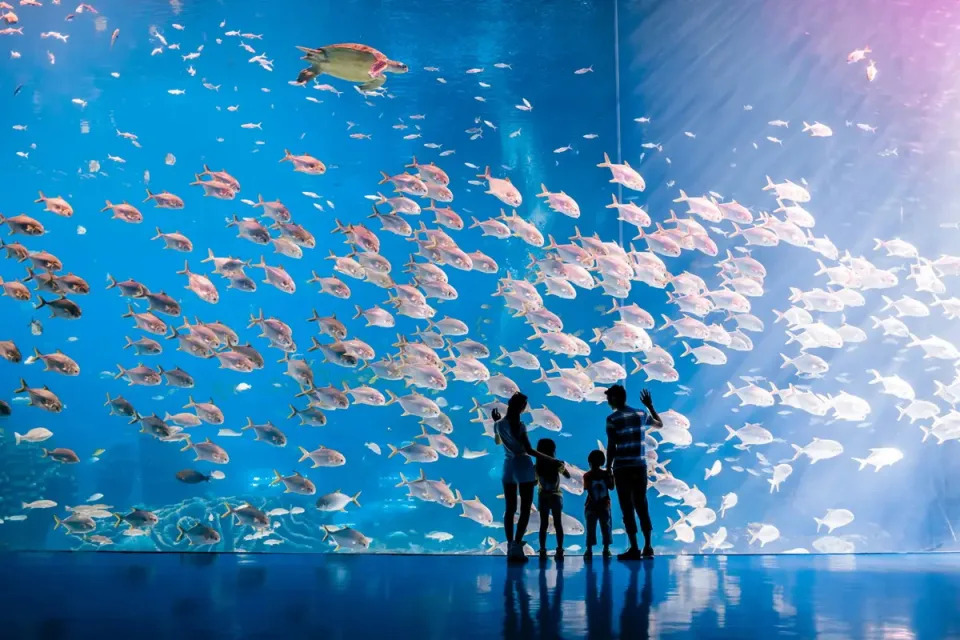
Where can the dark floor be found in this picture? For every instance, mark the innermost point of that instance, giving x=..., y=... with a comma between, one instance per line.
x=327, y=597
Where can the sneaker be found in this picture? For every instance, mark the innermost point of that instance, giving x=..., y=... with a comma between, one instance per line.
x=606, y=552
x=647, y=551
x=543, y=554
x=558, y=556
x=588, y=554
x=630, y=554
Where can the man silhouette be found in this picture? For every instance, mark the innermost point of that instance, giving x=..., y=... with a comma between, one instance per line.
x=626, y=457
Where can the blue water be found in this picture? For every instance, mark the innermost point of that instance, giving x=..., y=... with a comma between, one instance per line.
x=782, y=62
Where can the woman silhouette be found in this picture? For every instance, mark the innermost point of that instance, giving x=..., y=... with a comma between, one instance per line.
x=518, y=471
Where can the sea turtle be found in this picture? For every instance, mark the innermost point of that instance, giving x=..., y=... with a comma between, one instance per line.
x=352, y=62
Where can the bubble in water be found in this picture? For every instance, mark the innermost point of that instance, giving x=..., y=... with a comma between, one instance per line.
x=84, y=126
x=93, y=166
x=170, y=159
x=100, y=23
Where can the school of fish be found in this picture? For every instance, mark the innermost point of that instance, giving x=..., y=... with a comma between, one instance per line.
x=408, y=244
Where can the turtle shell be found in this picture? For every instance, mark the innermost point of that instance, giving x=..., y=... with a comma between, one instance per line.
x=351, y=62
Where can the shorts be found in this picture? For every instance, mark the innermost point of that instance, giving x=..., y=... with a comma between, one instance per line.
x=601, y=517
x=548, y=501
x=518, y=470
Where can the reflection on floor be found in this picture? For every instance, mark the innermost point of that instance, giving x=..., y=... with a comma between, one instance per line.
x=204, y=596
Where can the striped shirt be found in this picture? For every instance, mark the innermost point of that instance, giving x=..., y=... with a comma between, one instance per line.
x=625, y=430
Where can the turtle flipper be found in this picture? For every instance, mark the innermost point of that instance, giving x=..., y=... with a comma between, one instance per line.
x=314, y=55
x=373, y=84
x=306, y=75
x=376, y=69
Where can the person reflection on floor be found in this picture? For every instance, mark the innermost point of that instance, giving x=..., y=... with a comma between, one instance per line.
x=635, y=615
x=517, y=623
x=550, y=613
x=599, y=604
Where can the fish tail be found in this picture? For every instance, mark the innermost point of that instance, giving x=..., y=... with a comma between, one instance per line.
x=42, y=304
x=786, y=361
x=413, y=164
x=770, y=185
x=286, y=155
x=149, y=197
x=730, y=390
x=306, y=454
x=687, y=350
x=386, y=178
x=355, y=499
x=819, y=523
x=393, y=451
x=227, y=510
x=606, y=160
x=119, y=519
x=730, y=432
x=41, y=198
x=180, y=533
x=277, y=479
x=186, y=269
x=863, y=463
x=57, y=520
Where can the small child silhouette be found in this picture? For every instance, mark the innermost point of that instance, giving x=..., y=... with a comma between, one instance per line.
x=597, y=483
x=550, y=502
